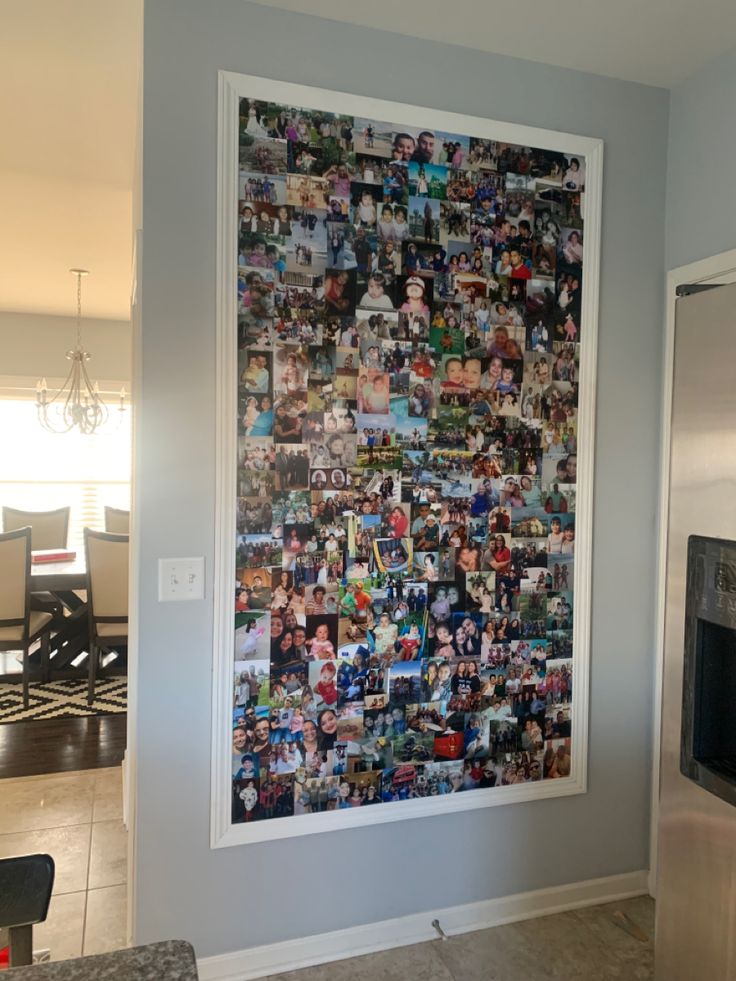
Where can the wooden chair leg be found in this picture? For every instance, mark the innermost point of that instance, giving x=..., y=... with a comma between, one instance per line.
x=45, y=657
x=94, y=654
x=26, y=676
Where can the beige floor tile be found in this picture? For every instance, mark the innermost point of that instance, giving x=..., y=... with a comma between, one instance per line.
x=69, y=848
x=106, y=925
x=419, y=962
x=628, y=957
x=30, y=804
x=108, y=799
x=64, y=927
x=501, y=954
x=108, y=862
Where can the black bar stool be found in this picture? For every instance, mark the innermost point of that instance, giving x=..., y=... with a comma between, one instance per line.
x=25, y=893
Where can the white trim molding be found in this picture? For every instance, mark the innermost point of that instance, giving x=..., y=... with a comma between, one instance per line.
x=232, y=87
x=290, y=955
x=721, y=267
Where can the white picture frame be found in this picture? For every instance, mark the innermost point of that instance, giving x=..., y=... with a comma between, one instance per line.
x=231, y=87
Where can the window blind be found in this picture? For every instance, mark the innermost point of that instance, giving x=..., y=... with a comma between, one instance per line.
x=40, y=471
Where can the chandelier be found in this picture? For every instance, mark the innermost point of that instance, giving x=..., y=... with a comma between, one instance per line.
x=78, y=403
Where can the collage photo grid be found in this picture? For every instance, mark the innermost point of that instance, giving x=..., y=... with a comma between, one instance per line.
x=409, y=330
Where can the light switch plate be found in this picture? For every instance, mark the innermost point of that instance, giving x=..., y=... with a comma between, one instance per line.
x=180, y=579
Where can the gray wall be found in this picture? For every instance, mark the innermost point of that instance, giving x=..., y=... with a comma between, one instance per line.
x=231, y=899
x=701, y=165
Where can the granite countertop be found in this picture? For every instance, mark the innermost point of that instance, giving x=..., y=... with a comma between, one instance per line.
x=172, y=960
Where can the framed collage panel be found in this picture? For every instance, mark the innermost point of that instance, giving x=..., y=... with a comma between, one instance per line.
x=406, y=345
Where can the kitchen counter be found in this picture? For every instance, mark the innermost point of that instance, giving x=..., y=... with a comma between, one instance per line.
x=172, y=960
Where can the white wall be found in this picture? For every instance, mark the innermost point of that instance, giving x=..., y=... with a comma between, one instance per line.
x=33, y=346
x=231, y=899
x=701, y=164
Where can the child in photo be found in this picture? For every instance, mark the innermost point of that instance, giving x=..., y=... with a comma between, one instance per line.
x=444, y=647
x=373, y=393
x=320, y=646
x=296, y=726
x=256, y=253
x=256, y=376
x=326, y=687
x=401, y=225
x=454, y=379
x=411, y=643
x=375, y=297
x=419, y=401
x=308, y=706
x=248, y=768
x=556, y=537
x=386, y=226
x=506, y=382
x=257, y=297
x=568, y=540
x=366, y=209
x=443, y=690
x=385, y=635
x=574, y=178
x=285, y=716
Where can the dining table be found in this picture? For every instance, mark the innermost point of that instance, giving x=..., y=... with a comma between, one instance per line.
x=66, y=581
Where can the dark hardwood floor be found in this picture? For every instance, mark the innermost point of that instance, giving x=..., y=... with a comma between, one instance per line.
x=57, y=745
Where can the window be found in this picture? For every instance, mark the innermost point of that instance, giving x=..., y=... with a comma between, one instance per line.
x=40, y=471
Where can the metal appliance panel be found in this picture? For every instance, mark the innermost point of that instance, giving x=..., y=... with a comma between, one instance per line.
x=696, y=887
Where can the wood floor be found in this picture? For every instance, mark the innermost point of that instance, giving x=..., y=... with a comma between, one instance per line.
x=58, y=745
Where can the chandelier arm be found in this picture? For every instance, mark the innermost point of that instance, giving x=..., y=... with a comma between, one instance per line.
x=97, y=400
x=56, y=405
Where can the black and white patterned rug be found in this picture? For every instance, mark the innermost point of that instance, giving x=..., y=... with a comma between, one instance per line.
x=63, y=700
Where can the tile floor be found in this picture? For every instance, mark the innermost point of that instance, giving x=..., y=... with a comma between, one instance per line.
x=593, y=944
x=77, y=818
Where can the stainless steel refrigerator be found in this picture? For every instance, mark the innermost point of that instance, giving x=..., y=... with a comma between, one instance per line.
x=696, y=873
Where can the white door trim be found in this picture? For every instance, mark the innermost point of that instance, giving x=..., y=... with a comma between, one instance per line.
x=721, y=267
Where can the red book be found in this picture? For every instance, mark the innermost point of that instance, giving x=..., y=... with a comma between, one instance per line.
x=52, y=555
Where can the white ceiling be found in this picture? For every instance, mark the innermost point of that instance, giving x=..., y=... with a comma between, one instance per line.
x=68, y=104
x=658, y=42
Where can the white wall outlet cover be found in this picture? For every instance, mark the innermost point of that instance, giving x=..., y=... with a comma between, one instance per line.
x=180, y=579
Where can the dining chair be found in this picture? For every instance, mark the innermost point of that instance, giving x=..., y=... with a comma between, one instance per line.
x=117, y=521
x=107, y=597
x=49, y=529
x=20, y=626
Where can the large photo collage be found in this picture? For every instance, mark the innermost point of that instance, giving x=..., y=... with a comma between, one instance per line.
x=409, y=332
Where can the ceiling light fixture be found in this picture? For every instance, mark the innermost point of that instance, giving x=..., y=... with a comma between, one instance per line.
x=78, y=403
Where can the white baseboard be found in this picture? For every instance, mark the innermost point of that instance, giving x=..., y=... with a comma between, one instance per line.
x=258, y=962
